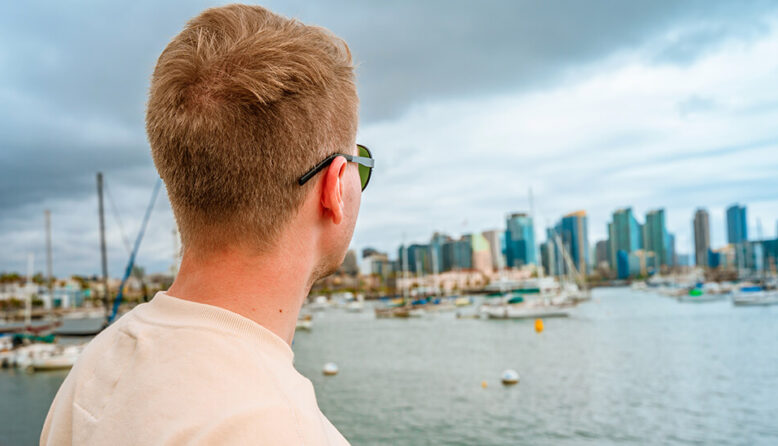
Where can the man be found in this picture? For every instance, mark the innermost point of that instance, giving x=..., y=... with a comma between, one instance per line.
x=252, y=120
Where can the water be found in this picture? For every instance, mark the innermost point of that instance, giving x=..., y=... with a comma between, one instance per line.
x=627, y=368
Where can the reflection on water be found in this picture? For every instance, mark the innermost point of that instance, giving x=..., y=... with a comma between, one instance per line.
x=627, y=368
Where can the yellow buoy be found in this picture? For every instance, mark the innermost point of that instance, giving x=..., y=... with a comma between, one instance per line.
x=483, y=384
x=538, y=325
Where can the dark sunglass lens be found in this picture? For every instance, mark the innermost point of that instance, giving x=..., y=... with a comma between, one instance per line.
x=364, y=171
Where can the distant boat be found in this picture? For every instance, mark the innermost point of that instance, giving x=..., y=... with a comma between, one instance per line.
x=754, y=296
x=697, y=295
x=48, y=357
x=516, y=307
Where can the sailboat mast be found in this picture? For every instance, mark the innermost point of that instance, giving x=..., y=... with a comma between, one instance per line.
x=49, y=275
x=103, y=256
x=405, y=272
x=28, y=303
x=435, y=269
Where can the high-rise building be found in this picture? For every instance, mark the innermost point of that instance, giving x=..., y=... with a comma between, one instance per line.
x=436, y=252
x=701, y=237
x=601, y=253
x=482, y=254
x=458, y=254
x=548, y=257
x=625, y=236
x=574, y=234
x=519, y=240
x=671, y=257
x=419, y=259
x=496, y=241
x=737, y=225
x=656, y=237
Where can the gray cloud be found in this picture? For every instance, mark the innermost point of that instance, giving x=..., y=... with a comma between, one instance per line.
x=73, y=78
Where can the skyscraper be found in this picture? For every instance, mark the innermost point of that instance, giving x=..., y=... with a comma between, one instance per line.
x=519, y=240
x=701, y=237
x=418, y=256
x=574, y=232
x=602, y=254
x=458, y=254
x=656, y=239
x=548, y=255
x=671, y=260
x=625, y=237
x=496, y=241
x=737, y=226
x=436, y=252
x=482, y=254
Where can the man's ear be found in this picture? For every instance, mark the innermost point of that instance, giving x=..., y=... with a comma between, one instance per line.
x=332, y=190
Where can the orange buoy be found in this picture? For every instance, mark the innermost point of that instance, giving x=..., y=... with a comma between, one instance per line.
x=538, y=325
x=484, y=384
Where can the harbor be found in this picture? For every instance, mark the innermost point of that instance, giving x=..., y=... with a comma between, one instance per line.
x=626, y=367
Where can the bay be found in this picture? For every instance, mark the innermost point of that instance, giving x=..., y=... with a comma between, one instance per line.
x=627, y=368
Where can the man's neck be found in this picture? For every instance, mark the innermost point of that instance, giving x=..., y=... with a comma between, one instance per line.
x=268, y=289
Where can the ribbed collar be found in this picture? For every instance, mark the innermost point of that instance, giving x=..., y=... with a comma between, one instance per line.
x=168, y=310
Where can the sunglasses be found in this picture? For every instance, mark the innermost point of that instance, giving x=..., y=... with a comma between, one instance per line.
x=364, y=159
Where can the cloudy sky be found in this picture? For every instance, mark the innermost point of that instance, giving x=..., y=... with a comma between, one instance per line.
x=594, y=105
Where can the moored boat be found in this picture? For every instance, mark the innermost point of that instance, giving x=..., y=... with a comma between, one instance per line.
x=754, y=296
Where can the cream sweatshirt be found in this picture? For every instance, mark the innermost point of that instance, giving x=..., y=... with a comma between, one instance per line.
x=175, y=372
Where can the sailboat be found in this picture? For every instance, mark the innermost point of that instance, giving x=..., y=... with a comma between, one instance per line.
x=93, y=322
x=541, y=302
x=754, y=296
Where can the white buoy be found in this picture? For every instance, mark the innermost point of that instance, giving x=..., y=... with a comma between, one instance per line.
x=510, y=377
x=330, y=369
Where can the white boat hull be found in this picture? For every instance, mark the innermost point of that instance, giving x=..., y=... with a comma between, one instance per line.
x=523, y=312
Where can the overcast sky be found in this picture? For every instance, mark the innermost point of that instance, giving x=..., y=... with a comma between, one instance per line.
x=594, y=105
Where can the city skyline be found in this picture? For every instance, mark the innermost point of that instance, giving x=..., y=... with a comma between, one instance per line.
x=650, y=240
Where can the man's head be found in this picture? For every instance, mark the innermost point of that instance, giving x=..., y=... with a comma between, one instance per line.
x=242, y=103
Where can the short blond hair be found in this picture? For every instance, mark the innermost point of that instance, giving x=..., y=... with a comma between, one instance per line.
x=242, y=103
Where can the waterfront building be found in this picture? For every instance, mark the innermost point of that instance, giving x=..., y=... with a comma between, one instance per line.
x=519, y=240
x=418, y=257
x=656, y=236
x=737, y=225
x=770, y=252
x=601, y=254
x=723, y=258
x=641, y=263
x=436, y=251
x=458, y=254
x=482, y=253
x=625, y=235
x=548, y=257
x=496, y=239
x=701, y=237
x=376, y=263
x=671, y=255
x=574, y=232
